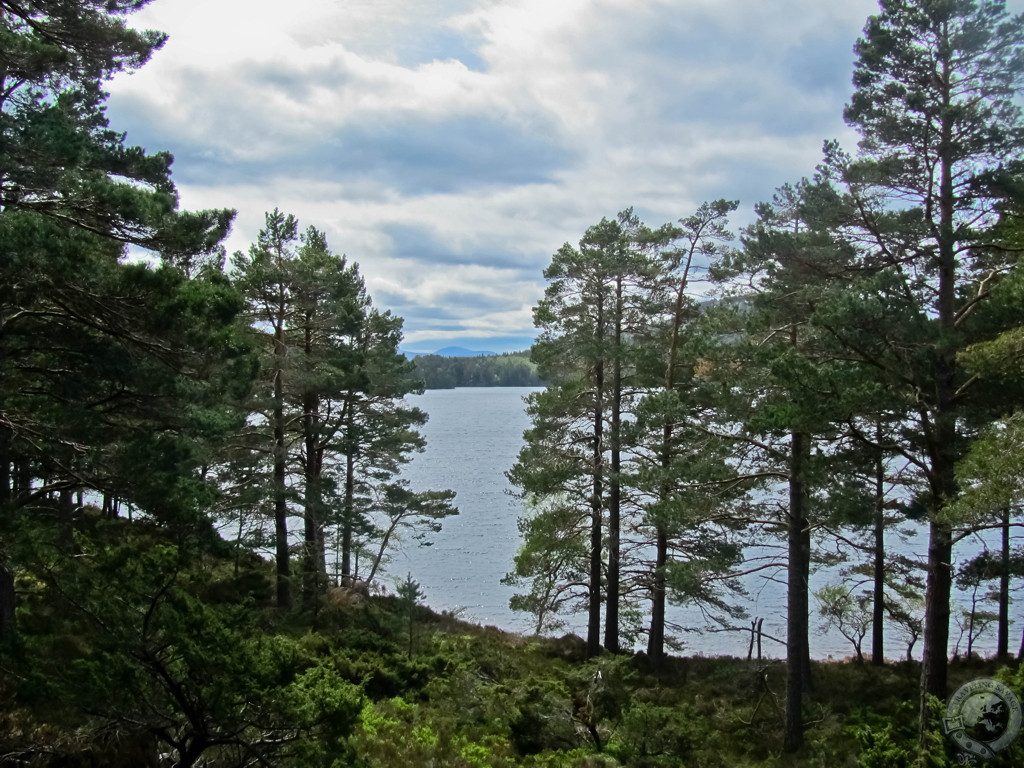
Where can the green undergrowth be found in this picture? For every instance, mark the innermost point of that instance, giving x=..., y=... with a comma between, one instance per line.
x=475, y=697
x=127, y=651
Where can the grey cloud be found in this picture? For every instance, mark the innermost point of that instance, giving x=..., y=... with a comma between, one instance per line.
x=815, y=63
x=409, y=241
x=457, y=153
x=455, y=308
x=455, y=305
x=409, y=34
x=414, y=155
x=443, y=44
x=787, y=85
x=297, y=83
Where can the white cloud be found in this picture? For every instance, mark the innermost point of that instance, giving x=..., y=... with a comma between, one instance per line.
x=451, y=147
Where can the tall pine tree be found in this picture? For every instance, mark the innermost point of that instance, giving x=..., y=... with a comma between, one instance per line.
x=935, y=82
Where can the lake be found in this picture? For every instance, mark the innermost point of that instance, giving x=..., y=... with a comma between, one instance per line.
x=473, y=438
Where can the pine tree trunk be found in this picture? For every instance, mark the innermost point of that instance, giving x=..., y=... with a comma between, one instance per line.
x=5, y=465
x=320, y=546
x=935, y=644
x=878, y=607
x=878, y=597
x=66, y=504
x=311, y=562
x=311, y=584
x=611, y=627
x=8, y=601
x=797, y=651
x=7, y=594
x=656, y=636
x=284, y=594
x=111, y=506
x=942, y=451
x=596, y=512
x=191, y=753
x=805, y=564
x=22, y=477
x=348, y=515
x=1003, y=630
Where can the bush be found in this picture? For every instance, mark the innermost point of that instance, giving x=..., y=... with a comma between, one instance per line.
x=542, y=719
x=397, y=734
x=652, y=736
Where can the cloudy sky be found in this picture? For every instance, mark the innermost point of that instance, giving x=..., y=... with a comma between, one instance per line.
x=451, y=146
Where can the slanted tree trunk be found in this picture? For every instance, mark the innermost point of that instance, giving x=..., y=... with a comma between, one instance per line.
x=970, y=620
x=656, y=637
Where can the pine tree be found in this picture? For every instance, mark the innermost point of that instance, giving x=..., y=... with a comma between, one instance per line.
x=571, y=354
x=266, y=277
x=593, y=305
x=935, y=84
x=788, y=392
x=330, y=305
x=670, y=407
x=377, y=437
x=98, y=358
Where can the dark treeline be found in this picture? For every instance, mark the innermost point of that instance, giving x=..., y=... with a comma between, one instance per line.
x=511, y=369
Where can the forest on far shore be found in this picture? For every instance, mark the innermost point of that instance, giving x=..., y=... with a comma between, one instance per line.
x=511, y=369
